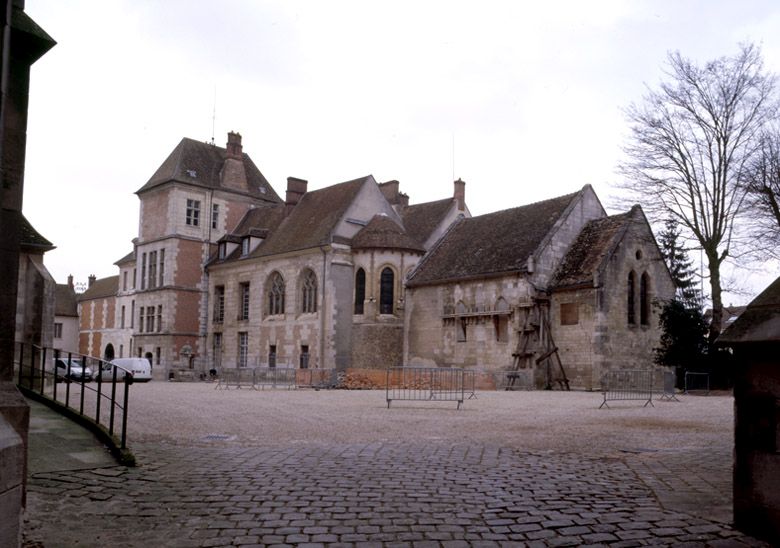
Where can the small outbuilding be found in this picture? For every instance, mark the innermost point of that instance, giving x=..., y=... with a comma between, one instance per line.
x=755, y=340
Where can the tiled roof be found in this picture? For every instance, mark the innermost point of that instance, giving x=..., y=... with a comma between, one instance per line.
x=31, y=238
x=312, y=221
x=383, y=233
x=491, y=244
x=593, y=244
x=266, y=217
x=420, y=220
x=760, y=322
x=130, y=257
x=200, y=164
x=104, y=287
x=65, y=301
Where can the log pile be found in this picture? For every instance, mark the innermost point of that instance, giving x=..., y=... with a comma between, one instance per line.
x=356, y=381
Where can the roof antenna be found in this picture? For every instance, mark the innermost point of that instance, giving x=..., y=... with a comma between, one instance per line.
x=214, y=114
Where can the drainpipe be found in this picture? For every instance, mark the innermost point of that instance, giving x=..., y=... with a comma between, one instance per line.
x=322, y=308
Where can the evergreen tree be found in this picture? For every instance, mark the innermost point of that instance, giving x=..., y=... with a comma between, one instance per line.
x=680, y=266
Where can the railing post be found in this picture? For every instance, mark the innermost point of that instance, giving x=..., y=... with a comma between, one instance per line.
x=83, y=366
x=99, y=395
x=128, y=381
x=54, y=364
x=67, y=383
x=113, y=401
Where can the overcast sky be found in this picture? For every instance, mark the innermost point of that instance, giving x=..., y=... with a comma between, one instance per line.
x=522, y=100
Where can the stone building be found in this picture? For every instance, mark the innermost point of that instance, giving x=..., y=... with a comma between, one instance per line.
x=755, y=340
x=66, y=318
x=36, y=289
x=554, y=292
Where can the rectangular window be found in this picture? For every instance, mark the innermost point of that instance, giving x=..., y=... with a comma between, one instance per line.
x=162, y=267
x=304, y=356
x=121, y=351
x=460, y=325
x=122, y=318
x=141, y=311
x=159, y=318
x=193, y=212
x=124, y=280
x=243, y=348
x=570, y=313
x=245, y=246
x=150, y=319
x=272, y=355
x=214, y=215
x=135, y=272
x=244, y=300
x=132, y=314
x=219, y=303
x=152, y=269
x=57, y=330
x=501, y=326
x=143, y=270
x=157, y=353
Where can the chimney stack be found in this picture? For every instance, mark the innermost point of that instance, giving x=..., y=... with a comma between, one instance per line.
x=70, y=281
x=295, y=189
x=460, y=194
x=234, y=149
x=91, y=280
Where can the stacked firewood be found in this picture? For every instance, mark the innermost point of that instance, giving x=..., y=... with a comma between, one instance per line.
x=356, y=381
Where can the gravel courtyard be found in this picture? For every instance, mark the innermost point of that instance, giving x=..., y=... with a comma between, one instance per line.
x=337, y=468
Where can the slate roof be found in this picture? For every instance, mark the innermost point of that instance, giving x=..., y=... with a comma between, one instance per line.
x=260, y=218
x=420, y=220
x=130, y=257
x=384, y=233
x=492, y=244
x=65, y=301
x=760, y=322
x=312, y=221
x=32, y=239
x=205, y=161
x=593, y=245
x=104, y=287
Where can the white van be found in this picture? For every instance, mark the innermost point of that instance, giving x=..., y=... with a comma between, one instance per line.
x=139, y=367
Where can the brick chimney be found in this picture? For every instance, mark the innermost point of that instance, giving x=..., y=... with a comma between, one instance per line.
x=70, y=281
x=460, y=194
x=234, y=149
x=295, y=189
x=90, y=280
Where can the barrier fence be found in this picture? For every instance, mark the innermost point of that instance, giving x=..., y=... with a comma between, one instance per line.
x=429, y=384
x=100, y=404
x=628, y=385
x=697, y=383
x=259, y=378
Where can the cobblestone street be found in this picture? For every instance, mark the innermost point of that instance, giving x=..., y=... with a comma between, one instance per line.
x=417, y=492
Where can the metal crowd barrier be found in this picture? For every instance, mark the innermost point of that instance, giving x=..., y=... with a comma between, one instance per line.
x=94, y=403
x=628, y=385
x=668, y=392
x=428, y=384
x=259, y=378
x=697, y=383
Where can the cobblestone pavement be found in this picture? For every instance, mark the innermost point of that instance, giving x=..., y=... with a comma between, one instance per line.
x=417, y=494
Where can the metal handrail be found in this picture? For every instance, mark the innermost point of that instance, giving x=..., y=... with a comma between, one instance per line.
x=35, y=379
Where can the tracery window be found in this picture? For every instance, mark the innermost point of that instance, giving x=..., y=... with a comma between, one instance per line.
x=309, y=292
x=275, y=294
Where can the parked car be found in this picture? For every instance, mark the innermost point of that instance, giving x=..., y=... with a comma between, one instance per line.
x=139, y=367
x=76, y=371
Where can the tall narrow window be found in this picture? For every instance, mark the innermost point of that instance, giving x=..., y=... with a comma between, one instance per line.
x=243, y=348
x=386, y=291
x=57, y=330
x=217, y=346
x=309, y=292
x=219, y=303
x=501, y=320
x=143, y=270
x=132, y=315
x=141, y=311
x=159, y=318
x=152, y=269
x=214, y=215
x=631, y=298
x=150, y=319
x=461, y=322
x=193, y=212
x=135, y=273
x=157, y=354
x=122, y=318
x=245, y=245
x=272, y=355
x=124, y=280
x=644, y=299
x=121, y=351
x=162, y=267
x=304, y=356
x=276, y=294
x=360, y=290
x=243, y=312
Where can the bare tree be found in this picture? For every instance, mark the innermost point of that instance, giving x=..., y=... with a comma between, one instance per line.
x=762, y=181
x=691, y=140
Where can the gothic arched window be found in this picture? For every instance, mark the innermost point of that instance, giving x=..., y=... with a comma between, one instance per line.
x=386, y=291
x=275, y=294
x=360, y=290
x=309, y=292
x=631, y=298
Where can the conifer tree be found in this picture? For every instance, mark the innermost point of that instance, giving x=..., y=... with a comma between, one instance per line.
x=680, y=265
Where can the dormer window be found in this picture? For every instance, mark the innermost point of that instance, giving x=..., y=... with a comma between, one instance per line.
x=222, y=250
x=245, y=246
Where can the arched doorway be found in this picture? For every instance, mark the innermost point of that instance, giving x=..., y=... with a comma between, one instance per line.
x=108, y=354
x=149, y=356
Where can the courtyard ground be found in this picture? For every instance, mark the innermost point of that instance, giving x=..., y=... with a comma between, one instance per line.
x=338, y=468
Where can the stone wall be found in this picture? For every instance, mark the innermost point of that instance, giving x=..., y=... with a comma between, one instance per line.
x=377, y=345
